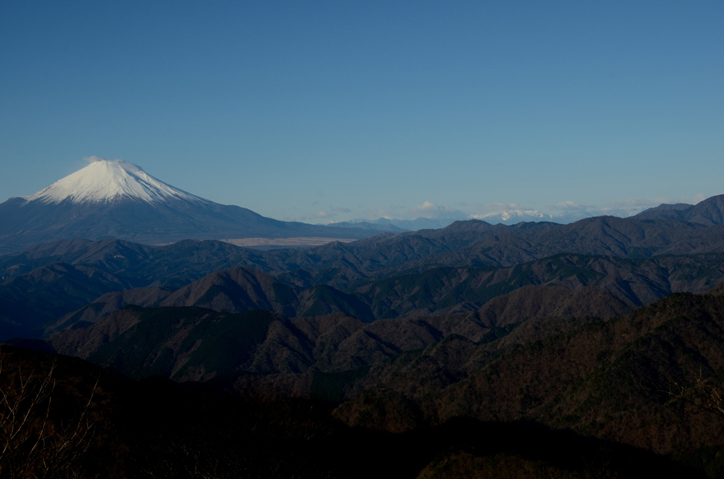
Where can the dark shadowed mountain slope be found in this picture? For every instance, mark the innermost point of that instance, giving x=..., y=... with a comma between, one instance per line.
x=173, y=265
x=633, y=379
x=627, y=368
x=44, y=294
x=334, y=342
x=105, y=305
x=643, y=379
x=111, y=255
x=614, y=379
x=236, y=290
x=664, y=211
x=550, y=301
x=158, y=428
x=633, y=282
x=708, y=212
x=232, y=291
x=240, y=289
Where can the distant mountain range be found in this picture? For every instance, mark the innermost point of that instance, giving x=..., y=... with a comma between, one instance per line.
x=512, y=216
x=395, y=225
x=116, y=199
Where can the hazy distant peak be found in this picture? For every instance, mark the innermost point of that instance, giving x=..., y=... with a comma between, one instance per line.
x=508, y=215
x=107, y=180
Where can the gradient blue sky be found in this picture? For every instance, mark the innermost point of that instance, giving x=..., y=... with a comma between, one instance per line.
x=321, y=111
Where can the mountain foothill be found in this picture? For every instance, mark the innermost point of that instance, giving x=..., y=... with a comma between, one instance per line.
x=591, y=349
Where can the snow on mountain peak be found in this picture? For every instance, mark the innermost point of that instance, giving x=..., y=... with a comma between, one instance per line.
x=107, y=180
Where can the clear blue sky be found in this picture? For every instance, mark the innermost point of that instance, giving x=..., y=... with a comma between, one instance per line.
x=336, y=110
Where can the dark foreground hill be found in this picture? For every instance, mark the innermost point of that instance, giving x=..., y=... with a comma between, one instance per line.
x=89, y=423
x=651, y=379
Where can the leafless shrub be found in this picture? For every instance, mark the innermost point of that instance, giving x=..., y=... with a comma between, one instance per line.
x=32, y=445
x=702, y=393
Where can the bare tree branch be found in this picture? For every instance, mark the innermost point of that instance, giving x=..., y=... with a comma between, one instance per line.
x=32, y=445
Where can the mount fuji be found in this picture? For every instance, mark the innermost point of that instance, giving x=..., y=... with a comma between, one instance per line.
x=117, y=199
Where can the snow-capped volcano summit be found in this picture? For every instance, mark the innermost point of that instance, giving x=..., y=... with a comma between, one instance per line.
x=108, y=180
x=117, y=199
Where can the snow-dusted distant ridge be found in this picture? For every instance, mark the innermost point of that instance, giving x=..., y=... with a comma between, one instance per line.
x=110, y=180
